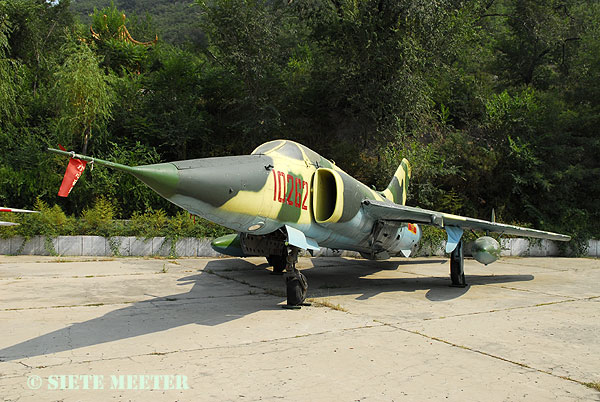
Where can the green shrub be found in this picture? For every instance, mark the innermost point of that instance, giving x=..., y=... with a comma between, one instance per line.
x=152, y=223
x=8, y=231
x=98, y=220
x=204, y=228
x=431, y=239
x=50, y=221
x=181, y=225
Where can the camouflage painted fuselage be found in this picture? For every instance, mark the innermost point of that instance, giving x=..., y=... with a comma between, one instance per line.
x=284, y=194
x=284, y=183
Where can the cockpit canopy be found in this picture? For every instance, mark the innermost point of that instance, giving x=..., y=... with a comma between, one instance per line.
x=292, y=150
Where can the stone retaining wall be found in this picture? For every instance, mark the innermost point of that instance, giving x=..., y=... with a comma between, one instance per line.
x=195, y=247
x=101, y=246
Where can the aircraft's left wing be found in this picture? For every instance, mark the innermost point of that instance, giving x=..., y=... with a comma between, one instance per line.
x=402, y=213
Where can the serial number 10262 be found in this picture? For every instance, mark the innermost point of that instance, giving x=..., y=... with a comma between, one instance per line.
x=290, y=190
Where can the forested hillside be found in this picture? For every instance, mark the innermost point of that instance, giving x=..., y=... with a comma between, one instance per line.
x=496, y=103
x=174, y=21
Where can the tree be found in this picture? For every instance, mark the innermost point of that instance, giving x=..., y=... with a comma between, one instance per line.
x=174, y=106
x=37, y=33
x=83, y=93
x=533, y=39
x=9, y=75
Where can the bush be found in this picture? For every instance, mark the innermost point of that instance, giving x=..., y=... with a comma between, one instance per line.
x=98, y=221
x=152, y=223
x=50, y=221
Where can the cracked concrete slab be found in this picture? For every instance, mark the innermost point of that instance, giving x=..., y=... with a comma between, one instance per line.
x=541, y=336
x=525, y=329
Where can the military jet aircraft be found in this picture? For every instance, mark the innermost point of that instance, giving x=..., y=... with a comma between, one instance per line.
x=284, y=197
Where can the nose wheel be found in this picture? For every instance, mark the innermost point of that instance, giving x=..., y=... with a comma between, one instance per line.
x=295, y=281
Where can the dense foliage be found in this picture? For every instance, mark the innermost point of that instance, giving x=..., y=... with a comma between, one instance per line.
x=98, y=220
x=496, y=103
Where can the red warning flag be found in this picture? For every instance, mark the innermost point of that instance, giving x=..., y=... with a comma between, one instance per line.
x=74, y=170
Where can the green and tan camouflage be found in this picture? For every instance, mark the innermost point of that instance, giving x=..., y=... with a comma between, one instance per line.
x=281, y=185
x=397, y=190
x=285, y=195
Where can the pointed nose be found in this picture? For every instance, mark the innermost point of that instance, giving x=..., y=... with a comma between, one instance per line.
x=204, y=185
x=215, y=181
x=162, y=177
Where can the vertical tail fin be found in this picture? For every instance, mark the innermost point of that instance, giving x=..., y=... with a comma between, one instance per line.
x=398, y=188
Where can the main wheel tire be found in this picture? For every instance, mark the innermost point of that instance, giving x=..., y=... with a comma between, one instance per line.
x=296, y=289
x=277, y=262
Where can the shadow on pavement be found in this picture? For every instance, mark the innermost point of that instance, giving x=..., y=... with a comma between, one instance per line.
x=327, y=277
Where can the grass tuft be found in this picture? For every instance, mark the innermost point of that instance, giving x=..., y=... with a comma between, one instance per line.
x=593, y=385
x=327, y=303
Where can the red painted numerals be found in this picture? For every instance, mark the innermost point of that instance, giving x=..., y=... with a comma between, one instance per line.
x=289, y=190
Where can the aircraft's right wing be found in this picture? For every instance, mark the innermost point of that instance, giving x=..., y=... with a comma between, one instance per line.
x=402, y=213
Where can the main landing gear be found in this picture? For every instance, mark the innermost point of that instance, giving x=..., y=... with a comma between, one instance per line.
x=457, y=267
x=295, y=281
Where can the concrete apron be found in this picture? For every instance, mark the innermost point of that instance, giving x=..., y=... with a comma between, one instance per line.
x=526, y=329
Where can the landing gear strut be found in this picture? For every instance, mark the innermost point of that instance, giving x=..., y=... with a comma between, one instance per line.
x=295, y=281
x=278, y=262
x=457, y=266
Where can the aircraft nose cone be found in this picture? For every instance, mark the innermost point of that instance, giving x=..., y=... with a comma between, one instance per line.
x=162, y=177
x=192, y=184
x=215, y=181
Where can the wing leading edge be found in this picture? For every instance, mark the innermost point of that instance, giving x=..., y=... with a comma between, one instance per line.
x=403, y=213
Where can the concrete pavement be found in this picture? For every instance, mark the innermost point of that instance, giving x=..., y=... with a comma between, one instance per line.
x=212, y=329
